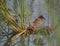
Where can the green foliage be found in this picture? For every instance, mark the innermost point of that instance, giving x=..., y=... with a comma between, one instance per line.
x=56, y=25
x=22, y=11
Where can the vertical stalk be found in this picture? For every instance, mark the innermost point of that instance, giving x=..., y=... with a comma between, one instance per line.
x=48, y=39
x=22, y=19
x=29, y=25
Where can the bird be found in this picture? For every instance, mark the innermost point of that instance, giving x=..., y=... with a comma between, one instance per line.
x=33, y=27
x=35, y=24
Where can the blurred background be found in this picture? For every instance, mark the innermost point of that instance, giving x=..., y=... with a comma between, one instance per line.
x=24, y=12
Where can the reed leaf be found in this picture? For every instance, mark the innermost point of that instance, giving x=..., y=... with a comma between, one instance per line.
x=8, y=16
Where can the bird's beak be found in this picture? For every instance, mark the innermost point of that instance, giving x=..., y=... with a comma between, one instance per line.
x=44, y=18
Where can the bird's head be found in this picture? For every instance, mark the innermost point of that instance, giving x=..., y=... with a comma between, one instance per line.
x=41, y=17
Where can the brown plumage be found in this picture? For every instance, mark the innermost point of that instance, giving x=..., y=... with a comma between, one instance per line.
x=34, y=26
